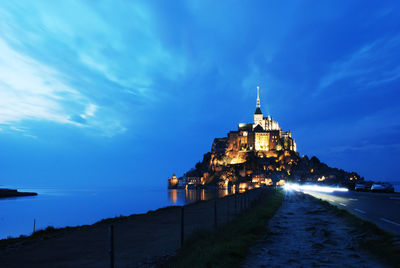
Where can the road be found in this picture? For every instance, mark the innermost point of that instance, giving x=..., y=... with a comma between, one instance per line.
x=381, y=208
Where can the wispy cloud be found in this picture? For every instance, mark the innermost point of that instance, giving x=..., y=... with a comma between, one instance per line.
x=78, y=65
x=364, y=148
x=31, y=90
x=371, y=65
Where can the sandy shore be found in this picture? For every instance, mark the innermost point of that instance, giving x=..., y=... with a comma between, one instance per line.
x=303, y=233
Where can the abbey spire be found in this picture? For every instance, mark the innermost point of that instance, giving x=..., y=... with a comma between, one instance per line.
x=258, y=108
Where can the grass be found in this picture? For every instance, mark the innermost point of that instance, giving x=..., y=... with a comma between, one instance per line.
x=228, y=246
x=383, y=244
x=43, y=234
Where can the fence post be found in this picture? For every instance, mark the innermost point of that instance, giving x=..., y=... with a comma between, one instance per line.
x=246, y=205
x=235, y=203
x=227, y=209
x=182, y=224
x=241, y=202
x=215, y=213
x=111, y=251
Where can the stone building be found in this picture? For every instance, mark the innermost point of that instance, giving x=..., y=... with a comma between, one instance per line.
x=264, y=135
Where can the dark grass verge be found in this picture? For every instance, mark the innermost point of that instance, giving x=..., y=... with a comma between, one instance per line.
x=383, y=244
x=228, y=246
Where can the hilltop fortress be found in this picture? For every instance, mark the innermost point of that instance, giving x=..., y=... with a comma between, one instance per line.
x=257, y=154
x=263, y=136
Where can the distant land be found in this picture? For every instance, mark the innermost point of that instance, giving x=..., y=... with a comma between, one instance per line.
x=258, y=154
x=14, y=193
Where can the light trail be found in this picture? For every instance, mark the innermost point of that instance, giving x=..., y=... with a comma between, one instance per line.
x=389, y=221
x=359, y=210
x=313, y=188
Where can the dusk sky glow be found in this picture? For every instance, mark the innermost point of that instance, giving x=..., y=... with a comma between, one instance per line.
x=124, y=93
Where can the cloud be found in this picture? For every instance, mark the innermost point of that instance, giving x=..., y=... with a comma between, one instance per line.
x=31, y=90
x=373, y=64
x=82, y=65
x=74, y=64
x=367, y=148
x=90, y=110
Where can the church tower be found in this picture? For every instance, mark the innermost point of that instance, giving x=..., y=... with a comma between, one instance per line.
x=258, y=116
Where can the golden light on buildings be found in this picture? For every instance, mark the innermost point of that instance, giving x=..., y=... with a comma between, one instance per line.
x=173, y=181
x=264, y=138
x=174, y=196
x=280, y=183
x=269, y=182
x=321, y=179
x=243, y=185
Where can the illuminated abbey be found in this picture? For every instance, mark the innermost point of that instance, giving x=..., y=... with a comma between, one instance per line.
x=258, y=154
x=263, y=136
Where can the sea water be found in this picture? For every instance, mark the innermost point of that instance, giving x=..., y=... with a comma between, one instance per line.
x=396, y=185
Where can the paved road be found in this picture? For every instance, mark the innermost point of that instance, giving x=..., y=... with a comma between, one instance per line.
x=380, y=208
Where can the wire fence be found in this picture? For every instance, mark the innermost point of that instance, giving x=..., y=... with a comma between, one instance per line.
x=177, y=224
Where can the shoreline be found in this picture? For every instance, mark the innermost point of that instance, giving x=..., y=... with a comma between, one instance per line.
x=6, y=193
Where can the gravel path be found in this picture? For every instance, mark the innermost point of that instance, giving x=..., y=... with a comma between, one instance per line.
x=304, y=233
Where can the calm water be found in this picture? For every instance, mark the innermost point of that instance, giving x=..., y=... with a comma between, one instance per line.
x=72, y=207
x=396, y=185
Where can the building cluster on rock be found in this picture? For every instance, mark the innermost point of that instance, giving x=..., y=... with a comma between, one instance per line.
x=258, y=154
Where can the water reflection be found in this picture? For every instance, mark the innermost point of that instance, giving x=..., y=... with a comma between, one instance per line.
x=185, y=196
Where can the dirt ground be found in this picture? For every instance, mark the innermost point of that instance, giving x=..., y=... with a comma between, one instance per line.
x=303, y=233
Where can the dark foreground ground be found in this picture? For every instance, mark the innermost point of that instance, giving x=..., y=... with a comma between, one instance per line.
x=305, y=233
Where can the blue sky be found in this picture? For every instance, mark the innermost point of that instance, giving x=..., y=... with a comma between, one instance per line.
x=114, y=93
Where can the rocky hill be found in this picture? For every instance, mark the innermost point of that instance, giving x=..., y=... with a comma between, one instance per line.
x=233, y=167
